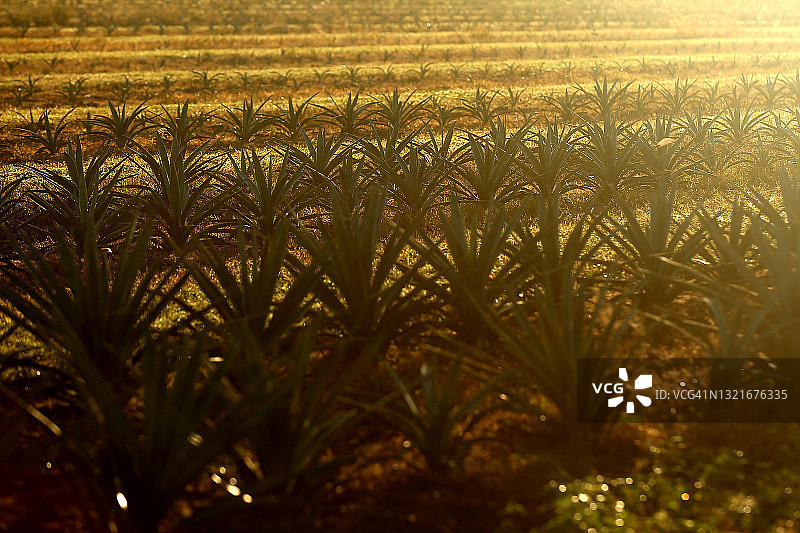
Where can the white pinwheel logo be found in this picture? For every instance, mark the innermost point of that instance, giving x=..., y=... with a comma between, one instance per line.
x=645, y=381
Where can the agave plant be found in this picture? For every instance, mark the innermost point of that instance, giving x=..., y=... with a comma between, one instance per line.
x=697, y=126
x=294, y=118
x=727, y=242
x=608, y=157
x=514, y=98
x=383, y=144
x=713, y=160
x=771, y=94
x=246, y=123
x=482, y=108
x=544, y=165
x=263, y=198
x=787, y=140
x=557, y=251
x=792, y=86
x=605, y=99
x=396, y=114
x=85, y=202
x=493, y=157
x=435, y=415
x=659, y=254
x=372, y=294
x=479, y=264
x=551, y=331
x=119, y=128
x=320, y=156
x=711, y=96
x=248, y=298
x=443, y=115
x=351, y=186
x=122, y=89
x=182, y=196
x=352, y=74
x=303, y=411
x=182, y=127
x=71, y=90
x=763, y=159
x=664, y=153
x=50, y=137
x=28, y=87
x=415, y=185
x=568, y=106
x=679, y=96
x=249, y=81
x=92, y=312
x=350, y=117
x=738, y=330
x=643, y=100
x=773, y=277
x=142, y=459
x=739, y=126
x=206, y=81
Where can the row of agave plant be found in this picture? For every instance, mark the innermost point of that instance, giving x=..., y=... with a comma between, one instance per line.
x=748, y=110
x=771, y=89
x=182, y=311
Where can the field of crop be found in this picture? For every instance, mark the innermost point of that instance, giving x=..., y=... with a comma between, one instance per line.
x=336, y=266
